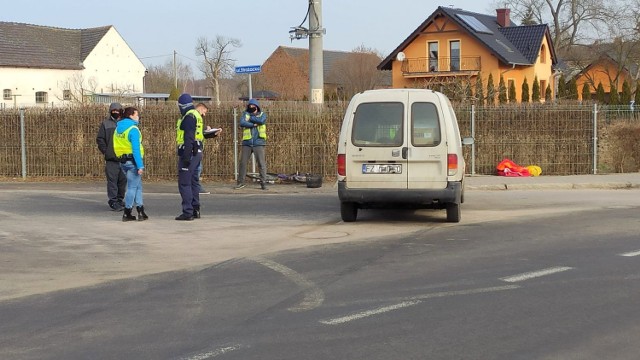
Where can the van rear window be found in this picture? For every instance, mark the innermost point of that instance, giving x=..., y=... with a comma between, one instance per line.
x=378, y=124
x=425, y=125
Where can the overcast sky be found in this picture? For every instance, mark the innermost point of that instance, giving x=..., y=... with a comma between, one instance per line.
x=154, y=29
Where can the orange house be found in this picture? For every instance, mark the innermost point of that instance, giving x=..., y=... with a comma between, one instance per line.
x=606, y=71
x=454, y=44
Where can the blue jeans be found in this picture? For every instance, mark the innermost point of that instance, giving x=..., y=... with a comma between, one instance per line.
x=198, y=173
x=134, y=185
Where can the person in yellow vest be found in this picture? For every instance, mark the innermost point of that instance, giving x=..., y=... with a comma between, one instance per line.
x=127, y=145
x=254, y=140
x=208, y=132
x=190, y=135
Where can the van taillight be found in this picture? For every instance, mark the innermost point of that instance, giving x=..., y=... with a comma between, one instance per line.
x=452, y=164
x=342, y=169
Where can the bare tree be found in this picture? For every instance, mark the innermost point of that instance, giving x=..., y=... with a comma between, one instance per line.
x=77, y=89
x=162, y=78
x=571, y=21
x=217, y=62
x=357, y=71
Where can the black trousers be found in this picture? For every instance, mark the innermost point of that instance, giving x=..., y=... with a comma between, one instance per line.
x=116, y=181
x=188, y=184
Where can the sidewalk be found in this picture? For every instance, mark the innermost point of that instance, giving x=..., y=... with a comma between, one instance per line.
x=473, y=182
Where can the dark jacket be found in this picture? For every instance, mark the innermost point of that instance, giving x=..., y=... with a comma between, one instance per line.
x=105, y=138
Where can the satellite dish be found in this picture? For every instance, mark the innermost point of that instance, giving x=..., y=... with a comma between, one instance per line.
x=400, y=56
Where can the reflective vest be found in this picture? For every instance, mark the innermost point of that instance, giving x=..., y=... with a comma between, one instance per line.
x=262, y=130
x=122, y=145
x=199, y=127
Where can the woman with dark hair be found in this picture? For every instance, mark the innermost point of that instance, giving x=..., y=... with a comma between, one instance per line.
x=127, y=143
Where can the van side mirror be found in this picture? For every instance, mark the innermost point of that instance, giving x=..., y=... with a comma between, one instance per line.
x=467, y=141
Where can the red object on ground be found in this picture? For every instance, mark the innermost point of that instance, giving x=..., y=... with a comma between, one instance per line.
x=506, y=167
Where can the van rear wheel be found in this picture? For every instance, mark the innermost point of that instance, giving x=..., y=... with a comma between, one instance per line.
x=453, y=212
x=348, y=211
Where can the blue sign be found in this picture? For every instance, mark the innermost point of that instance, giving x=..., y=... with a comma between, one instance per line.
x=248, y=69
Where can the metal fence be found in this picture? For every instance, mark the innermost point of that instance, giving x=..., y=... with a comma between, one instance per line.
x=561, y=139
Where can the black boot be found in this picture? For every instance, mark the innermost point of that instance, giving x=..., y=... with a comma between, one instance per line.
x=196, y=212
x=141, y=214
x=127, y=215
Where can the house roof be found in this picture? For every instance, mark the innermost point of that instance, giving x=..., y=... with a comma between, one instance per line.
x=513, y=45
x=329, y=60
x=34, y=46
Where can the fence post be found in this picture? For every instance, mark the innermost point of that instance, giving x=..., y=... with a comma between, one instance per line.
x=235, y=144
x=23, y=145
x=473, y=136
x=595, y=139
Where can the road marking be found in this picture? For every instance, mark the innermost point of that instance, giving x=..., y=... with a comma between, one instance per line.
x=212, y=354
x=535, y=274
x=414, y=300
x=633, y=253
x=313, y=295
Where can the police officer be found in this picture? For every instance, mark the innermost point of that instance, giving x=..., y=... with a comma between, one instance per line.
x=189, y=138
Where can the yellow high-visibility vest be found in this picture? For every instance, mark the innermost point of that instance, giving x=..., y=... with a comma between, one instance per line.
x=122, y=145
x=262, y=130
x=199, y=127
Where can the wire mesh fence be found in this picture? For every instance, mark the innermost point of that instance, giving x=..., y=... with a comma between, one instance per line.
x=561, y=139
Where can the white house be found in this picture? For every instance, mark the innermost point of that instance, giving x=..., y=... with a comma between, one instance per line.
x=41, y=65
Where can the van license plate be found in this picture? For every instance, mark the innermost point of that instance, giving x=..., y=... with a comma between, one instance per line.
x=381, y=168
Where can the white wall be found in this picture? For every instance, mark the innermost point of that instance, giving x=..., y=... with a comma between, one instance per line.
x=114, y=66
x=111, y=68
x=26, y=82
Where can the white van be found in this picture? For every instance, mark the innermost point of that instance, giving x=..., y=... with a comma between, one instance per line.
x=400, y=148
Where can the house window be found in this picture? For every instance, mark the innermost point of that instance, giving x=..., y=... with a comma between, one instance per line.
x=543, y=54
x=41, y=97
x=433, y=56
x=6, y=94
x=66, y=94
x=454, y=52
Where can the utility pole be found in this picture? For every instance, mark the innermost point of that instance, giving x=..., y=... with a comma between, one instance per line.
x=175, y=70
x=316, y=75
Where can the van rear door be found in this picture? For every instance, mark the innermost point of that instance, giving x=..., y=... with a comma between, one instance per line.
x=375, y=149
x=427, y=143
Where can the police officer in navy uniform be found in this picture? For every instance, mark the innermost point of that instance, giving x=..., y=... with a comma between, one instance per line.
x=189, y=137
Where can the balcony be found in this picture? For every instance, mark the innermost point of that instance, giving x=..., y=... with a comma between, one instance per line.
x=443, y=66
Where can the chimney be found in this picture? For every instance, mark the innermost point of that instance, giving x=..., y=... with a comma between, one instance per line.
x=503, y=17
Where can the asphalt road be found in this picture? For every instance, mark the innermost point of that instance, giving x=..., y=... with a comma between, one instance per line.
x=525, y=275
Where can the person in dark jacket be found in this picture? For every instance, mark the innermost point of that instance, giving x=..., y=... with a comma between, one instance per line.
x=116, y=179
x=189, y=138
x=254, y=140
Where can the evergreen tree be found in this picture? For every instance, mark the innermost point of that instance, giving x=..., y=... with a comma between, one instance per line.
x=479, y=92
x=572, y=91
x=562, y=88
x=547, y=94
x=586, y=92
x=512, y=92
x=600, y=94
x=637, y=95
x=502, y=91
x=525, y=91
x=491, y=91
x=625, y=96
x=174, y=95
x=535, y=90
x=614, y=99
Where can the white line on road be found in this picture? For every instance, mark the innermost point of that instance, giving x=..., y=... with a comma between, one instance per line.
x=414, y=300
x=633, y=253
x=535, y=274
x=313, y=295
x=212, y=354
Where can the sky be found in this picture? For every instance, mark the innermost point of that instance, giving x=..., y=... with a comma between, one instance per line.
x=154, y=30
